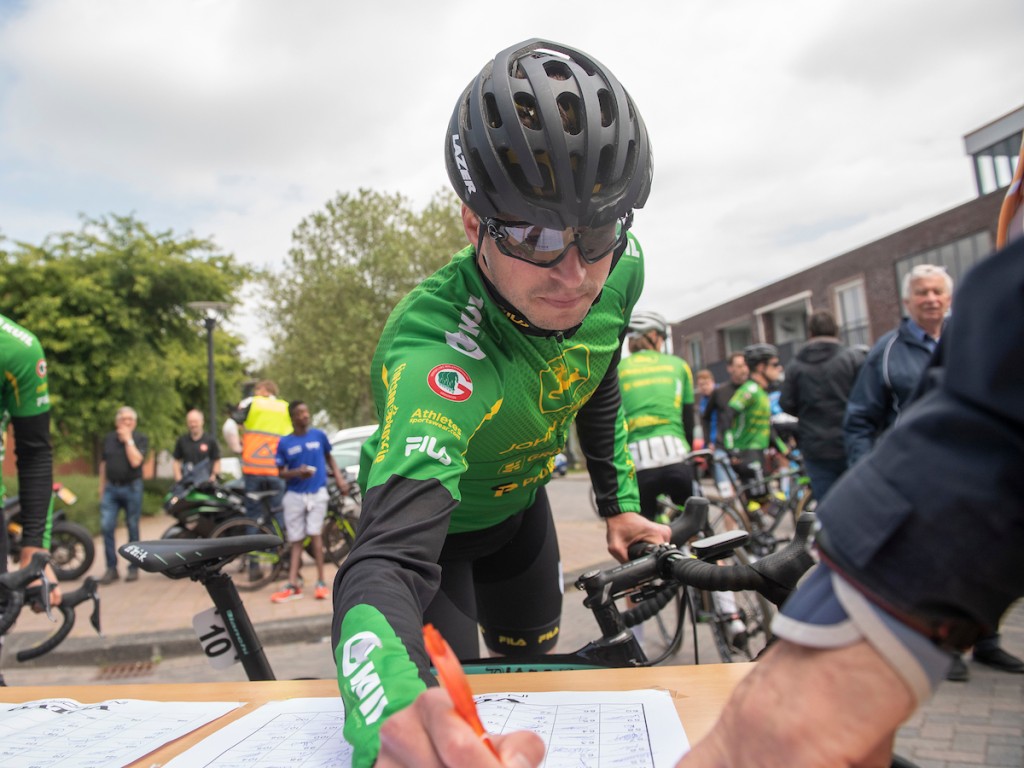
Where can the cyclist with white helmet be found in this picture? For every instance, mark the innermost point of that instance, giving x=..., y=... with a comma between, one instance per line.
x=657, y=397
x=478, y=375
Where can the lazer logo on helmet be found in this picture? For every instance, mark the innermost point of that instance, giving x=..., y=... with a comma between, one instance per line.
x=460, y=162
x=450, y=382
x=427, y=445
x=361, y=675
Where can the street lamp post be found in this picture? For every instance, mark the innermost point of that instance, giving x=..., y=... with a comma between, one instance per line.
x=211, y=311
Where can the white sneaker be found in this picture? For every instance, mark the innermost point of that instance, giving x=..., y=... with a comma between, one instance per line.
x=737, y=633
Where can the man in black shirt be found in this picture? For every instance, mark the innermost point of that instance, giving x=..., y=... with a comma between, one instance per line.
x=195, y=446
x=124, y=450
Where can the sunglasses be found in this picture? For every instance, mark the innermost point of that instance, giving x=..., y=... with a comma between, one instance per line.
x=546, y=248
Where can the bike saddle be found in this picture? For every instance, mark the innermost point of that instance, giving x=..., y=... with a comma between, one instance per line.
x=179, y=557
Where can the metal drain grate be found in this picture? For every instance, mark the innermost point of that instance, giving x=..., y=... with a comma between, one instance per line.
x=125, y=669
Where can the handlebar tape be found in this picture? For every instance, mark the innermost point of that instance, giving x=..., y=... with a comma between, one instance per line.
x=12, y=588
x=67, y=612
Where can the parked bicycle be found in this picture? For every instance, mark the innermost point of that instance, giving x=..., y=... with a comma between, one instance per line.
x=255, y=569
x=15, y=594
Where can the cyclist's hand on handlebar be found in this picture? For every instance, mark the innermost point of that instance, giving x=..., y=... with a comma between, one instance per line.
x=430, y=734
x=631, y=527
x=804, y=706
x=55, y=596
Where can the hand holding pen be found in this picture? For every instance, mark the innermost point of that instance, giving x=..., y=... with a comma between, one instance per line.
x=432, y=732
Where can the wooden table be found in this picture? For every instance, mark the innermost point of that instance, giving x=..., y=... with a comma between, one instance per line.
x=699, y=692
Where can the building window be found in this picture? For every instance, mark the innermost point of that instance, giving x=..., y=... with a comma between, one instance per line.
x=736, y=338
x=957, y=257
x=852, y=313
x=994, y=166
x=696, y=350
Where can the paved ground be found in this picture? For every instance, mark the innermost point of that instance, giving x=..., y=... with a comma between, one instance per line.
x=148, y=638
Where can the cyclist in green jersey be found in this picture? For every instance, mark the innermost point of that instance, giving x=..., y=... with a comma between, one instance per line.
x=477, y=377
x=748, y=427
x=657, y=397
x=25, y=404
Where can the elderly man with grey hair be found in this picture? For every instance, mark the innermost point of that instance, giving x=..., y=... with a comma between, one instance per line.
x=124, y=451
x=893, y=368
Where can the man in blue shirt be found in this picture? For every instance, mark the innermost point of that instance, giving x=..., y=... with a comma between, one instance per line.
x=303, y=458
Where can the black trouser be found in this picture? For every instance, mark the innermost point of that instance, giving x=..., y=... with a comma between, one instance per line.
x=673, y=480
x=507, y=579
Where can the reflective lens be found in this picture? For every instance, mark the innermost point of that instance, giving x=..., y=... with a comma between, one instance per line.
x=547, y=247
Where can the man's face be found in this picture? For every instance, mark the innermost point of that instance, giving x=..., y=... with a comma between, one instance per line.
x=738, y=371
x=126, y=421
x=929, y=301
x=194, y=422
x=705, y=386
x=555, y=298
x=773, y=370
x=300, y=417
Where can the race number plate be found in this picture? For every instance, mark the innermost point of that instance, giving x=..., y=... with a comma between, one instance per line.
x=214, y=638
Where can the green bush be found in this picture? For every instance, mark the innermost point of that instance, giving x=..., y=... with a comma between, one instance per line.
x=86, y=511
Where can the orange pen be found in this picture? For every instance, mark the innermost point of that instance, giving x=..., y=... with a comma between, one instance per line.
x=454, y=681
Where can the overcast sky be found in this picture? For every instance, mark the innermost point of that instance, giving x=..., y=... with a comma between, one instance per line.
x=784, y=133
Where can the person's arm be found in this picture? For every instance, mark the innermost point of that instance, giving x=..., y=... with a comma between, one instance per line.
x=332, y=467
x=789, y=397
x=230, y=432
x=600, y=425
x=214, y=456
x=786, y=712
x=865, y=417
x=133, y=452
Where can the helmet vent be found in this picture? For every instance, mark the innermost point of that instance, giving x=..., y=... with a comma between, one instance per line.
x=526, y=108
x=491, y=111
x=604, y=98
x=557, y=70
x=569, y=107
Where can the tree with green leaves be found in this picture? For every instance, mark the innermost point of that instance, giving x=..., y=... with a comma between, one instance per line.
x=108, y=303
x=348, y=267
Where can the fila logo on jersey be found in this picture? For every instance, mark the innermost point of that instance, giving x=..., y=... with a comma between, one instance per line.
x=460, y=163
x=450, y=382
x=427, y=445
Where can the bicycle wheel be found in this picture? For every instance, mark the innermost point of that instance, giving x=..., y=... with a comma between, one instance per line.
x=661, y=636
x=251, y=570
x=71, y=550
x=740, y=622
x=726, y=517
x=339, y=534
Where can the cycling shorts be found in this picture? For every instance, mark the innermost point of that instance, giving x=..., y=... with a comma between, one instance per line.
x=508, y=580
x=674, y=480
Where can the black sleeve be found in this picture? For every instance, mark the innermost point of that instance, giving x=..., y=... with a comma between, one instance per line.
x=596, y=428
x=34, y=455
x=179, y=449
x=214, y=449
x=725, y=413
x=688, y=421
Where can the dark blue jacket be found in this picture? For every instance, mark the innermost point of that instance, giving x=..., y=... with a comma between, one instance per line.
x=930, y=525
x=885, y=384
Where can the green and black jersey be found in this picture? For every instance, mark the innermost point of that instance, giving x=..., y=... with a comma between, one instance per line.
x=751, y=426
x=472, y=413
x=25, y=402
x=655, y=389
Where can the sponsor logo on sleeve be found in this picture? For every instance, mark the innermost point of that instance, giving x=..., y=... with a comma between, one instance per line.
x=41, y=368
x=359, y=672
x=427, y=445
x=451, y=383
x=469, y=329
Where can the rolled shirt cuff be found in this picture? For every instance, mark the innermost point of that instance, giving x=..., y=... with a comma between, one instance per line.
x=827, y=612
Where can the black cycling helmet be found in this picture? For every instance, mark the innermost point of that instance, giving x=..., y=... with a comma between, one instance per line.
x=547, y=135
x=759, y=353
x=641, y=323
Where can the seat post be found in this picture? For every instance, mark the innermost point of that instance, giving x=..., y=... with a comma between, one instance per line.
x=229, y=605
